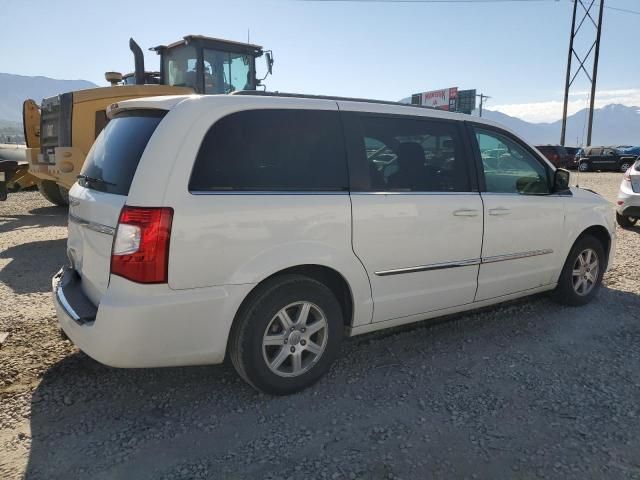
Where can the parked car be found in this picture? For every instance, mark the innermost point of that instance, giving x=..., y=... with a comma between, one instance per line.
x=574, y=155
x=556, y=154
x=628, y=204
x=262, y=227
x=604, y=158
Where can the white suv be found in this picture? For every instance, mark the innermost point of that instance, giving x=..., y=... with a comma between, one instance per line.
x=270, y=226
x=628, y=204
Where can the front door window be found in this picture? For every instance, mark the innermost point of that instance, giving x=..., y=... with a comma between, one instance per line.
x=509, y=167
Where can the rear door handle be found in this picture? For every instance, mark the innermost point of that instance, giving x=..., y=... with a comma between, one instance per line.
x=466, y=213
x=499, y=211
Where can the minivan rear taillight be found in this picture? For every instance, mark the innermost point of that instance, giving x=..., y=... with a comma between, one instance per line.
x=140, y=250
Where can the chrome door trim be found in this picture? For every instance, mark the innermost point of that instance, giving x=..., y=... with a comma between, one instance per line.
x=463, y=263
x=396, y=192
x=515, y=256
x=430, y=267
x=268, y=192
x=96, y=227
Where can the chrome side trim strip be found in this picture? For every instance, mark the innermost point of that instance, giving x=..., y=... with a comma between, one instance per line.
x=96, y=227
x=268, y=192
x=426, y=268
x=515, y=256
x=463, y=263
x=397, y=192
x=65, y=304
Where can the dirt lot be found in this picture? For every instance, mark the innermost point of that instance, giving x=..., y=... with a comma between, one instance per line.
x=526, y=390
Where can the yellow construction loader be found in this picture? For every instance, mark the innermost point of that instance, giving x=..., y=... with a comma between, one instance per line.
x=60, y=131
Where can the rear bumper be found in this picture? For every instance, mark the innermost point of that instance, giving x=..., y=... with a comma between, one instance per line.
x=150, y=325
x=630, y=206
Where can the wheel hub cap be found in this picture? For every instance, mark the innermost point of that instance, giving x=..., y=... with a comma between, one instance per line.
x=294, y=338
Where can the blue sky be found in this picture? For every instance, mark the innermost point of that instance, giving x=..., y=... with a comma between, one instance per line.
x=514, y=51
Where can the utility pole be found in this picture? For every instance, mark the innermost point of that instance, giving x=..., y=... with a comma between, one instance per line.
x=482, y=98
x=572, y=52
x=595, y=72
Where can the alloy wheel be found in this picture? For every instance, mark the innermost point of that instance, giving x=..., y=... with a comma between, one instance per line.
x=585, y=272
x=295, y=339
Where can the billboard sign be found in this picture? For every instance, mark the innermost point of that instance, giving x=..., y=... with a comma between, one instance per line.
x=444, y=99
x=450, y=99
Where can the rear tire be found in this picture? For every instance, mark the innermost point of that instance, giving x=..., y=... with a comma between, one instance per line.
x=54, y=193
x=625, y=222
x=624, y=166
x=580, y=280
x=278, y=348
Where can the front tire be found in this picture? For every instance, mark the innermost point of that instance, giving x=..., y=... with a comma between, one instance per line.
x=581, y=276
x=54, y=193
x=287, y=335
x=625, y=221
x=584, y=166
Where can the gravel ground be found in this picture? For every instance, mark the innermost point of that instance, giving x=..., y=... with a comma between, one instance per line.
x=525, y=390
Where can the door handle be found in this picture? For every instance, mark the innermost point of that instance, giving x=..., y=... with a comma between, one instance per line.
x=464, y=212
x=499, y=211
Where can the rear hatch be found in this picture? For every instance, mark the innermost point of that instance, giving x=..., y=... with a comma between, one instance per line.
x=96, y=200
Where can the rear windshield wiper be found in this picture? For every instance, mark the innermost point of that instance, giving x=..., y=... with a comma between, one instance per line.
x=89, y=179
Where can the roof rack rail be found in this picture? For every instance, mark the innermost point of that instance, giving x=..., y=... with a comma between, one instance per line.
x=326, y=97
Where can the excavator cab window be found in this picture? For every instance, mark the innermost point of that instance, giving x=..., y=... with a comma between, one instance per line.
x=226, y=72
x=180, y=66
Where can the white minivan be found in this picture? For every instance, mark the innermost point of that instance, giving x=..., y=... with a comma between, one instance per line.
x=269, y=226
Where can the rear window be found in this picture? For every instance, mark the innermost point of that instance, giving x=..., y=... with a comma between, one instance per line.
x=272, y=150
x=114, y=157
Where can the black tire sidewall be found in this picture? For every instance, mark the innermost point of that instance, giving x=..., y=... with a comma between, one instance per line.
x=586, y=168
x=289, y=290
x=625, y=221
x=564, y=291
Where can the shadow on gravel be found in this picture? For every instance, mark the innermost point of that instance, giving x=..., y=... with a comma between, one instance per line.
x=32, y=265
x=38, y=217
x=635, y=229
x=529, y=389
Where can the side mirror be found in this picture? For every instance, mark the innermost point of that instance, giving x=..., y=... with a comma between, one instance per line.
x=561, y=180
x=269, y=59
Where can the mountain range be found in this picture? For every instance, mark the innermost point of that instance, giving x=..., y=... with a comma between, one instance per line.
x=613, y=124
x=15, y=89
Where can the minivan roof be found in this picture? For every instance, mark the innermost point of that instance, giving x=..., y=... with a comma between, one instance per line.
x=169, y=102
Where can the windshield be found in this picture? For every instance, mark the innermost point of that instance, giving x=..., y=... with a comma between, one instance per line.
x=114, y=157
x=226, y=72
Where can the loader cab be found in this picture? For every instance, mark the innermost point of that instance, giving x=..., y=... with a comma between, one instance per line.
x=210, y=65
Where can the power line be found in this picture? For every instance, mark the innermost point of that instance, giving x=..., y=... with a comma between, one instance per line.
x=617, y=9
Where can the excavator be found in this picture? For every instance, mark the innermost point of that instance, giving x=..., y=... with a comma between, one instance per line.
x=60, y=131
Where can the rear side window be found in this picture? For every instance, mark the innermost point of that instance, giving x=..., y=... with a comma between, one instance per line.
x=405, y=154
x=272, y=150
x=114, y=157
